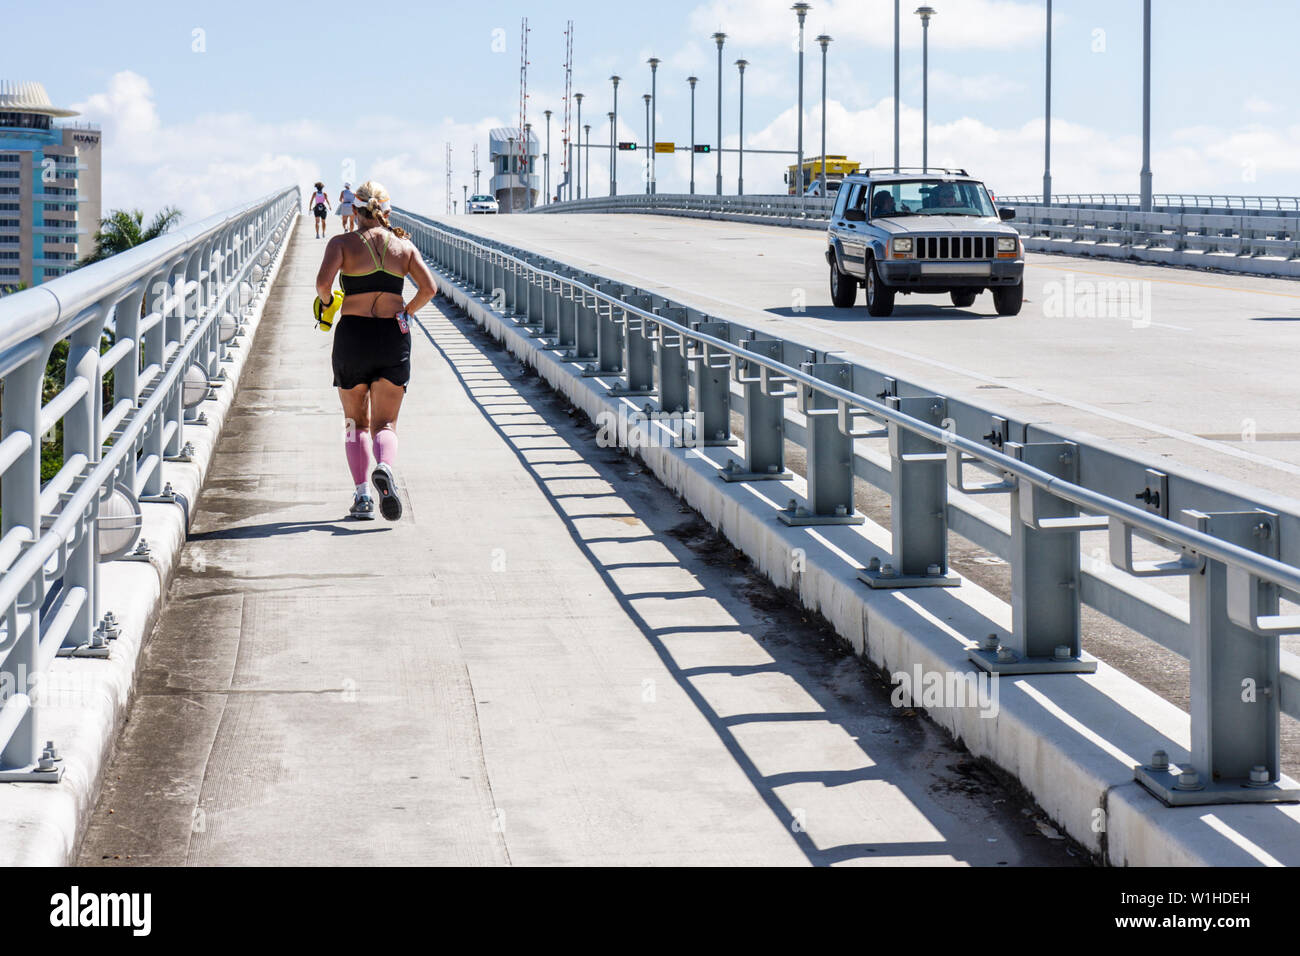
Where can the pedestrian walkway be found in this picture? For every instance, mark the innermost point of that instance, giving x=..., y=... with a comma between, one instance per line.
x=546, y=661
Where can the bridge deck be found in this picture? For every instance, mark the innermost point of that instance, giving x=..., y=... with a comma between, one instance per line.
x=546, y=661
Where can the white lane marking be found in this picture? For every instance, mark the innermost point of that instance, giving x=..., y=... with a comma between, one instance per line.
x=1036, y=392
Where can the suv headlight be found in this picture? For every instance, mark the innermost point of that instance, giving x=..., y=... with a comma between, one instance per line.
x=902, y=246
x=1008, y=243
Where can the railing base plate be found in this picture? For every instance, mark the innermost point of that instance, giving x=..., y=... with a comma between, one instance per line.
x=101, y=653
x=32, y=775
x=988, y=661
x=1163, y=784
x=877, y=581
x=619, y=391
x=795, y=520
x=738, y=474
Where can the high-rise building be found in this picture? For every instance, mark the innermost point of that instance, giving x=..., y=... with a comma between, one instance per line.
x=49, y=187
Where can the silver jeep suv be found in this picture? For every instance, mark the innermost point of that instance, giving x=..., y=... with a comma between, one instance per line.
x=931, y=231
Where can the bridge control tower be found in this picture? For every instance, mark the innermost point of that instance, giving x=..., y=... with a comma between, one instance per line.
x=515, y=183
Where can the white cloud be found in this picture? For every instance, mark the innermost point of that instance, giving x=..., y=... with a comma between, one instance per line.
x=982, y=87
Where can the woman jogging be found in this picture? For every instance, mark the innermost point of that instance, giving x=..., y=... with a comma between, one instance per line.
x=372, y=341
x=319, y=204
x=346, y=199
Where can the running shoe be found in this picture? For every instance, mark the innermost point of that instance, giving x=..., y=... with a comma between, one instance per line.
x=363, y=508
x=390, y=506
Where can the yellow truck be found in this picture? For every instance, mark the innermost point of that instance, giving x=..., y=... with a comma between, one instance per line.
x=837, y=167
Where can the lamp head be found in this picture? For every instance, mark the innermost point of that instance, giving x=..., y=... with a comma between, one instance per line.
x=925, y=13
x=719, y=38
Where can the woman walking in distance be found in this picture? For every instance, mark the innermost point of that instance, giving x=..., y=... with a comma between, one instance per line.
x=372, y=341
x=319, y=204
x=346, y=199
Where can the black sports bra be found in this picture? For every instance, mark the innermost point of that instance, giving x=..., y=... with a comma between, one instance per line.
x=378, y=280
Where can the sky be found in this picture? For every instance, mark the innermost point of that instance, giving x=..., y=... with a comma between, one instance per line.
x=205, y=104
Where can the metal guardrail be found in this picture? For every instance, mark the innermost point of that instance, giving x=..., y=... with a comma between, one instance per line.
x=1165, y=202
x=173, y=305
x=1238, y=235
x=1180, y=238
x=1238, y=547
x=1248, y=241
x=813, y=211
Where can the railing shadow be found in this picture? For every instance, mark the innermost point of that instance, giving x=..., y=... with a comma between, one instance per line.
x=825, y=714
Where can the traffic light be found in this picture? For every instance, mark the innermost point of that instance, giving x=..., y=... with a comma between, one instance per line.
x=627, y=145
x=701, y=147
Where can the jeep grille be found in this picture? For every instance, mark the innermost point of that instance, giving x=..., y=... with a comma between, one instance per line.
x=956, y=247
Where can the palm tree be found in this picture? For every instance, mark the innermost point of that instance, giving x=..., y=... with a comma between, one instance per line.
x=124, y=229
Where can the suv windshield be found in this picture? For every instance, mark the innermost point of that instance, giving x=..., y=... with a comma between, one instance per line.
x=480, y=198
x=930, y=197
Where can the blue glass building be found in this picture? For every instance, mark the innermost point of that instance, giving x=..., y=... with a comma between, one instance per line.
x=49, y=187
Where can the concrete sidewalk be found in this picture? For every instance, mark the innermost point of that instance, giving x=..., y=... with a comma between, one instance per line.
x=547, y=661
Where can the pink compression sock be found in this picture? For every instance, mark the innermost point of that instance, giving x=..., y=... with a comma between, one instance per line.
x=385, y=441
x=358, y=452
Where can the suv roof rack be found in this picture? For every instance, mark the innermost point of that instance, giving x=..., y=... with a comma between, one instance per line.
x=923, y=170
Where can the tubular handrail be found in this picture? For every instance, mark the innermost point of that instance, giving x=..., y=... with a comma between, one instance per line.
x=164, y=300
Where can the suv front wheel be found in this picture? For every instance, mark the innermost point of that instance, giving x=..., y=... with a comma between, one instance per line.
x=1007, y=298
x=844, y=289
x=880, y=297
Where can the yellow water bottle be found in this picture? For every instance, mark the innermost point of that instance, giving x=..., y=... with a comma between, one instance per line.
x=325, y=311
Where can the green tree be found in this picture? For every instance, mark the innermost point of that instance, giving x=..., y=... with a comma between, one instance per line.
x=124, y=229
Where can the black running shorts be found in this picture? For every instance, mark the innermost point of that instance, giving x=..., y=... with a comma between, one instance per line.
x=320, y=210
x=366, y=349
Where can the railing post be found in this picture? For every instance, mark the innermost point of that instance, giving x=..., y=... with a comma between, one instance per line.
x=609, y=333
x=764, y=418
x=712, y=386
x=918, y=521
x=20, y=494
x=1044, y=559
x=1235, y=674
x=585, y=323
x=674, y=371
x=498, y=292
x=638, y=350
x=830, y=453
x=81, y=425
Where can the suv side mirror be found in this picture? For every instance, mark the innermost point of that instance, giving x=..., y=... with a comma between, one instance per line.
x=1005, y=213
x=855, y=215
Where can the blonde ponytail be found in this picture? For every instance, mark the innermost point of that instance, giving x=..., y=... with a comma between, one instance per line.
x=372, y=202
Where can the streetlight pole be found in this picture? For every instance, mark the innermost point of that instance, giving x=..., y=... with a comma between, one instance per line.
x=801, y=11
x=925, y=13
x=649, y=146
x=587, y=162
x=613, y=147
x=692, y=80
x=895, y=85
x=825, y=41
x=719, y=39
x=527, y=169
x=1146, y=106
x=740, y=174
x=1047, y=122
x=578, y=180
x=547, y=161
x=654, y=118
